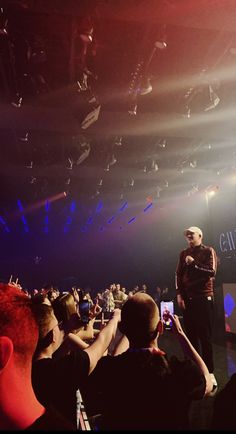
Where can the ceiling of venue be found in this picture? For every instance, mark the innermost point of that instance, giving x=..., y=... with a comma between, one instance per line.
x=103, y=99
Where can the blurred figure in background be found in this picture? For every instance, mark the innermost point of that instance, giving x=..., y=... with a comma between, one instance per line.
x=108, y=302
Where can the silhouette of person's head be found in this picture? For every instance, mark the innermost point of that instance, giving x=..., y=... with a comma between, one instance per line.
x=140, y=320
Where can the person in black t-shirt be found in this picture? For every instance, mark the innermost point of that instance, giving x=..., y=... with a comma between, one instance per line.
x=141, y=389
x=57, y=379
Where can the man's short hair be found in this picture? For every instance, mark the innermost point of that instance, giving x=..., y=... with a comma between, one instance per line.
x=17, y=322
x=43, y=314
x=139, y=318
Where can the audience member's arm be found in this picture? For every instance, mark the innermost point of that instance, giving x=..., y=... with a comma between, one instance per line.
x=76, y=342
x=87, y=331
x=99, y=347
x=96, y=350
x=78, y=339
x=190, y=352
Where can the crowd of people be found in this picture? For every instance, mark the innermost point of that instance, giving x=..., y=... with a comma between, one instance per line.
x=113, y=296
x=63, y=351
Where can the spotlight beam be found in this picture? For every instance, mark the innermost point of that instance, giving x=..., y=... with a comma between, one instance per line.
x=37, y=205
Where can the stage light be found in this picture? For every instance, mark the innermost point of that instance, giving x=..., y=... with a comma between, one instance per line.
x=188, y=113
x=211, y=193
x=4, y=224
x=113, y=160
x=17, y=101
x=69, y=163
x=133, y=109
x=89, y=220
x=29, y=165
x=211, y=190
x=37, y=260
x=202, y=97
x=193, y=164
x=154, y=166
x=158, y=191
x=131, y=220
x=146, y=86
x=111, y=219
x=99, y=207
x=148, y=207
x=72, y=206
x=85, y=153
x=23, y=219
x=162, y=45
x=124, y=204
x=86, y=37
x=78, y=151
x=85, y=30
x=3, y=22
x=82, y=83
x=213, y=99
x=24, y=137
x=118, y=141
x=97, y=192
x=91, y=117
x=162, y=143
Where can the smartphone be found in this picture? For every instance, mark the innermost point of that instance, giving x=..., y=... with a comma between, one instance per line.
x=84, y=306
x=167, y=308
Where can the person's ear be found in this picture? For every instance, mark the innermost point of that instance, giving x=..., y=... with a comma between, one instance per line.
x=160, y=327
x=6, y=351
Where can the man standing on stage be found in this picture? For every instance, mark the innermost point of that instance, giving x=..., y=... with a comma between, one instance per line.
x=195, y=276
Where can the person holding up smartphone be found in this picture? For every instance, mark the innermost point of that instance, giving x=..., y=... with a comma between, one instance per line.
x=56, y=379
x=150, y=384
